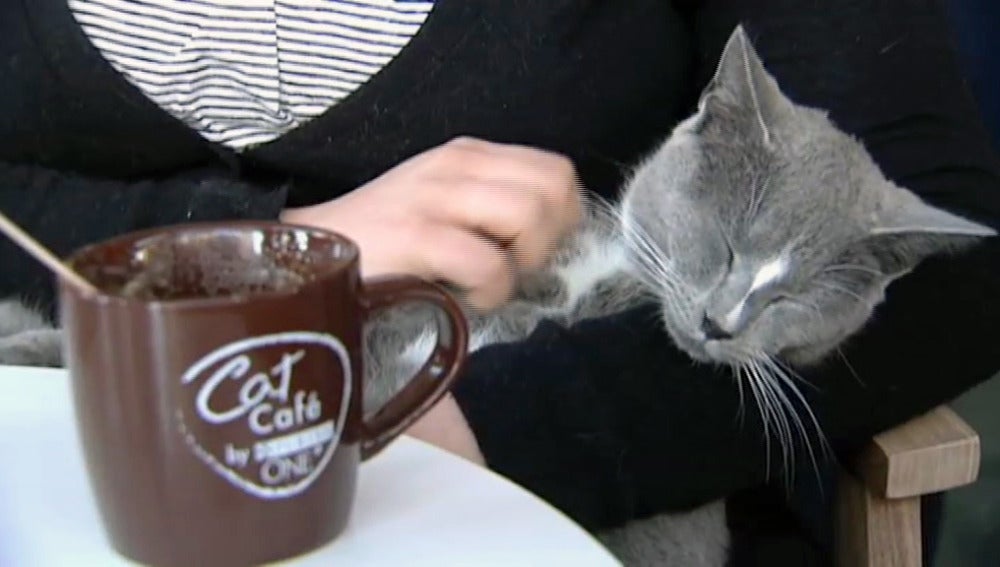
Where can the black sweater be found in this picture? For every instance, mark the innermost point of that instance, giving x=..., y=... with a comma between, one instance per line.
x=606, y=420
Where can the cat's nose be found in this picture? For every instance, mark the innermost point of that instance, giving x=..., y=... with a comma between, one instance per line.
x=713, y=331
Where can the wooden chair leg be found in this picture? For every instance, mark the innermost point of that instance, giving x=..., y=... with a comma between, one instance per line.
x=873, y=531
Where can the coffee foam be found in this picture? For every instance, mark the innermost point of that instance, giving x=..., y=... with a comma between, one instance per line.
x=216, y=265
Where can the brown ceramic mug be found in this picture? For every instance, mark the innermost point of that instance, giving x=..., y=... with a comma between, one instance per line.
x=217, y=382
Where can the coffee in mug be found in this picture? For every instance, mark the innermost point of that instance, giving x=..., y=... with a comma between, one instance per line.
x=217, y=383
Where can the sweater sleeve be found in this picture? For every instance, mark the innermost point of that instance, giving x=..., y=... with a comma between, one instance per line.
x=65, y=211
x=609, y=421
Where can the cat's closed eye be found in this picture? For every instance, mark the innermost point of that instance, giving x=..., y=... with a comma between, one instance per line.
x=776, y=298
x=730, y=255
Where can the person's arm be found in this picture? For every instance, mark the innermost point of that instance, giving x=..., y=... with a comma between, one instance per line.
x=65, y=211
x=459, y=200
x=608, y=421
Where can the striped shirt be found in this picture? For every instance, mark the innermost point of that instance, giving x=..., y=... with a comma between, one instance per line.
x=244, y=72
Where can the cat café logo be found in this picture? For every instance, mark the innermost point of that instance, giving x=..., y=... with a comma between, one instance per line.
x=257, y=427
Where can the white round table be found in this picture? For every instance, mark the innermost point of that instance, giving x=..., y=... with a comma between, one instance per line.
x=416, y=505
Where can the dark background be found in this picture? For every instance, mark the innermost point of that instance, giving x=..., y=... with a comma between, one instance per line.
x=970, y=527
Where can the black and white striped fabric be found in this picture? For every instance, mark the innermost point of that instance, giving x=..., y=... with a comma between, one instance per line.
x=243, y=72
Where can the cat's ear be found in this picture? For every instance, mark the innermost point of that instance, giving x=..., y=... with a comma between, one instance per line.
x=903, y=213
x=906, y=230
x=741, y=79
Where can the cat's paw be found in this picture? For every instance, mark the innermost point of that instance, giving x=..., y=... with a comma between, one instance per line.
x=397, y=344
x=36, y=347
x=16, y=317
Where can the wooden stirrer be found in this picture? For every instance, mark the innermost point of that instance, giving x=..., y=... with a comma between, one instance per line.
x=42, y=254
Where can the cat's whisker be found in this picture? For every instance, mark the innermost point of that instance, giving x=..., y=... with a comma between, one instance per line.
x=850, y=368
x=648, y=251
x=652, y=262
x=769, y=379
x=674, y=303
x=755, y=388
x=809, y=305
x=792, y=426
x=779, y=383
x=854, y=268
x=671, y=292
x=738, y=371
x=826, y=450
x=840, y=289
x=775, y=399
x=665, y=280
x=648, y=259
x=789, y=371
x=680, y=301
x=661, y=289
x=670, y=303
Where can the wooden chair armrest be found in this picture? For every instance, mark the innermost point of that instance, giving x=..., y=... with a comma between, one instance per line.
x=934, y=452
x=878, y=505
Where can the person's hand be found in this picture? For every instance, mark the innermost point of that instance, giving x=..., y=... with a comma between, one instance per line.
x=470, y=213
x=445, y=426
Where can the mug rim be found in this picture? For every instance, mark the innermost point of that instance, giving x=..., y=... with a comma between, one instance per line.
x=105, y=298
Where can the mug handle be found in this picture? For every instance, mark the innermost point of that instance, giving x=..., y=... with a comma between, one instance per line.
x=435, y=377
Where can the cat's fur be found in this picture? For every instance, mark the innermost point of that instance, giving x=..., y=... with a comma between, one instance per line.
x=767, y=235
x=26, y=338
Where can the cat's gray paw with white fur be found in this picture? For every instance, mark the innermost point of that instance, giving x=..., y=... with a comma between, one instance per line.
x=37, y=347
x=397, y=343
x=27, y=338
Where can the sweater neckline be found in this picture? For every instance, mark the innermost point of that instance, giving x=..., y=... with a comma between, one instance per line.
x=445, y=30
x=78, y=62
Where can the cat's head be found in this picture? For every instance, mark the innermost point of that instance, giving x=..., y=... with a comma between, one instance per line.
x=768, y=231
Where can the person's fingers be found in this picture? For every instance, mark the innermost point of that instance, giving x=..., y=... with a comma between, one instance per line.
x=511, y=216
x=470, y=212
x=552, y=176
x=479, y=267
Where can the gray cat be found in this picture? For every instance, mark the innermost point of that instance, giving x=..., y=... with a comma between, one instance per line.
x=767, y=235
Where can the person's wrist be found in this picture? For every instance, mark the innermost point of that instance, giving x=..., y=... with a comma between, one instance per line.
x=445, y=427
